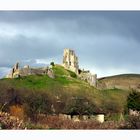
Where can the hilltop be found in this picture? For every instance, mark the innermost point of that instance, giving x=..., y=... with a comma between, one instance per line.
x=63, y=78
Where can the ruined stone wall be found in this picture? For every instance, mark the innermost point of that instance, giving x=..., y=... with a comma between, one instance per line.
x=89, y=77
x=26, y=70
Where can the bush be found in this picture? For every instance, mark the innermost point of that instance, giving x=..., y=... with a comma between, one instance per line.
x=81, y=106
x=133, y=100
x=52, y=64
x=9, y=122
x=37, y=103
x=133, y=122
x=17, y=111
x=112, y=107
x=10, y=97
x=72, y=74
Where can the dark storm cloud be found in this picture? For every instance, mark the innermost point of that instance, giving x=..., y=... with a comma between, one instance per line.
x=106, y=42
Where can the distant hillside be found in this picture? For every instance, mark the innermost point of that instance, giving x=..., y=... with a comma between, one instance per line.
x=124, y=81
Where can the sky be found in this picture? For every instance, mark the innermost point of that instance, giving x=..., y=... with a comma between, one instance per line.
x=106, y=42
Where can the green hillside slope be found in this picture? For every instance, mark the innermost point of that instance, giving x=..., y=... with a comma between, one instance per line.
x=63, y=78
x=68, y=94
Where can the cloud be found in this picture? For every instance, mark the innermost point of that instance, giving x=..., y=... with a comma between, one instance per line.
x=4, y=71
x=105, y=42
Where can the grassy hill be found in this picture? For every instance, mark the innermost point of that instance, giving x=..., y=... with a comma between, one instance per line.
x=62, y=78
x=124, y=81
x=34, y=95
x=65, y=82
x=37, y=93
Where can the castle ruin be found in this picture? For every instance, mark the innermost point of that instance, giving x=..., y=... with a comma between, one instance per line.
x=70, y=62
x=26, y=70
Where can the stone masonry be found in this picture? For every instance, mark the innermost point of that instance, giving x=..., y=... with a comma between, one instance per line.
x=70, y=60
x=89, y=77
x=26, y=70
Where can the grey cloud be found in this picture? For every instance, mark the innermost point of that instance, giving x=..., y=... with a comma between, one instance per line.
x=4, y=71
x=106, y=40
x=23, y=48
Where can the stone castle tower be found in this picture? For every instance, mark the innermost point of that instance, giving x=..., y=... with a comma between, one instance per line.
x=70, y=60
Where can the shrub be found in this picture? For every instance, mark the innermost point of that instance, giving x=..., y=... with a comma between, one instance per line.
x=9, y=122
x=133, y=100
x=72, y=74
x=10, y=97
x=133, y=122
x=37, y=103
x=52, y=64
x=17, y=111
x=112, y=107
x=81, y=106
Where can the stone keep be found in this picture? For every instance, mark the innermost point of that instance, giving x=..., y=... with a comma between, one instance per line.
x=70, y=60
